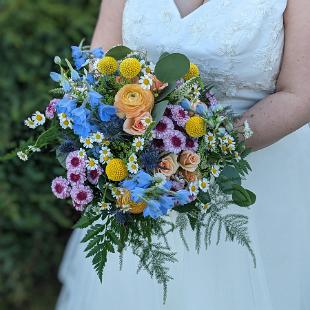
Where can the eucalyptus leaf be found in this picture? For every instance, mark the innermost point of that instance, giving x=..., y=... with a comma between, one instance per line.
x=159, y=110
x=163, y=55
x=167, y=91
x=228, y=178
x=172, y=67
x=186, y=208
x=118, y=52
x=242, y=197
x=61, y=157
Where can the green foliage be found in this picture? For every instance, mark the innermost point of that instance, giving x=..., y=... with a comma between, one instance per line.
x=34, y=226
x=118, y=52
x=159, y=111
x=171, y=67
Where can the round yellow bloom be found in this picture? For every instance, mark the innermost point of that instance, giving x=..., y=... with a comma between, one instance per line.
x=132, y=101
x=192, y=72
x=125, y=201
x=195, y=127
x=130, y=68
x=107, y=65
x=116, y=170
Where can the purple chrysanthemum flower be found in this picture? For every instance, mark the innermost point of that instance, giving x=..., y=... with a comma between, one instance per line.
x=94, y=175
x=78, y=207
x=76, y=177
x=163, y=127
x=60, y=188
x=51, y=109
x=174, y=141
x=191, y=144
x=74, y=162
x=159, y=144
x=179, y=115
x=81, y=195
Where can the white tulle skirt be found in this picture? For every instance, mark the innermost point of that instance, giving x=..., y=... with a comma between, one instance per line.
x=223, y=278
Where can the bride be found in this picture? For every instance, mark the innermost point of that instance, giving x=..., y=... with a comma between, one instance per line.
x=257, y=54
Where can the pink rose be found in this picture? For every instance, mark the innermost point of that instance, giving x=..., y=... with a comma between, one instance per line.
x=189, y=160
x=137, y=126
x=169, y=165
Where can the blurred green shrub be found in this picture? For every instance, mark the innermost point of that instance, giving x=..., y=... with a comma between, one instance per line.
x=34, y=226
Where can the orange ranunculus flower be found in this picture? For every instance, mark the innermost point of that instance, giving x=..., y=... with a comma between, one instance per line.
x=189, y=161
x=132, y=100
x=138, y=125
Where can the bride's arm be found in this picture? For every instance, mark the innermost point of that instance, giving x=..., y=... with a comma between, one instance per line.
x=289, y=108
x=108, y=31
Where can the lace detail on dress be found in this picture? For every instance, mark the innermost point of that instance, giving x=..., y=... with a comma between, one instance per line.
x=238, y=45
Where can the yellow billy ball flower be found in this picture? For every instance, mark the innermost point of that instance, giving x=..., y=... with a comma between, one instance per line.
x=192, y=72
x=107, y=65
x=195, y=127
x=130, y=68
x=116, y=170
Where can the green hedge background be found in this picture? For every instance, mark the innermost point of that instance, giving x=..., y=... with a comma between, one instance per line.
x=34, y=227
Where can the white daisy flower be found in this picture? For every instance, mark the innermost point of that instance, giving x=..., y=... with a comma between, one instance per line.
x=30, y=123
x=231, y=147
x=215, y=170
x=38, y=118
x=97, y=137
x=224, y=148
x=204, y=184
x=146, y=82
x=193, y=188
x=247, y=130
x=147, y=69
x=62, y=116
x=104, y=205
x=65, y=123
x=105, y=155
x=117, y=192
x=147, y=121
x=132, y=158
x=210, y=138
x=91, y=164
x=23, y=156
x=81, y=153
x=138, y=143
x=133, y=168
x=230, y=140
x=87, y=142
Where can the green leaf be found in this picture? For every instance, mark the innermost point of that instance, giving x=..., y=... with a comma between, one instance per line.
x=167, y=91
x=47, y=137
x=163, y=55
x=172, y=67
x=85, y=221
x=92, y=232
x=228, y=178
x=159, y=111
x=57, y=93
x=119, y=52
x=186, y=208
x=242, y=197
x=204, y=197
x=61, y=157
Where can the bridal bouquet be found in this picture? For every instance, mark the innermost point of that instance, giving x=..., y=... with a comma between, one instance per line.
x=138, y=141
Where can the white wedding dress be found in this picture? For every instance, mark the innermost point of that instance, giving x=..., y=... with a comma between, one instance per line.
x=238, y=45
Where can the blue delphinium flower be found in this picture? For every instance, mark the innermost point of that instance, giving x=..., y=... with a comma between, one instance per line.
x=166, y=203
x=79, y=57
x=182, y=196
x=143, y=179
x=81, y=124
x=55, y=76
x=106, y=112
x=94, y=98
x=65, y=105
x=65, y=84
x=74, y=75
x=185, y=104
x=97, y=52
x=137, y=193
x=153, y=209
x=90, y=78
x=201, y=109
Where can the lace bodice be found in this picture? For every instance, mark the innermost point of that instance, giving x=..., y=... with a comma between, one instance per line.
x=237, y=44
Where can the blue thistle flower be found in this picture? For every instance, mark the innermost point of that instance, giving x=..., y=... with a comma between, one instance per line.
x=150, y=159
x=67, y=146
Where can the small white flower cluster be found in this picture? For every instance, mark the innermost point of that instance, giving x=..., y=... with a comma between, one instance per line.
x=105, y=155
x=88, y=142
x=247, y=131
x=227, y=144
x=195, y=94
x=202, y=184
x=35, y=120
x=91, y=163
x=24, y=155
x=132, y=164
